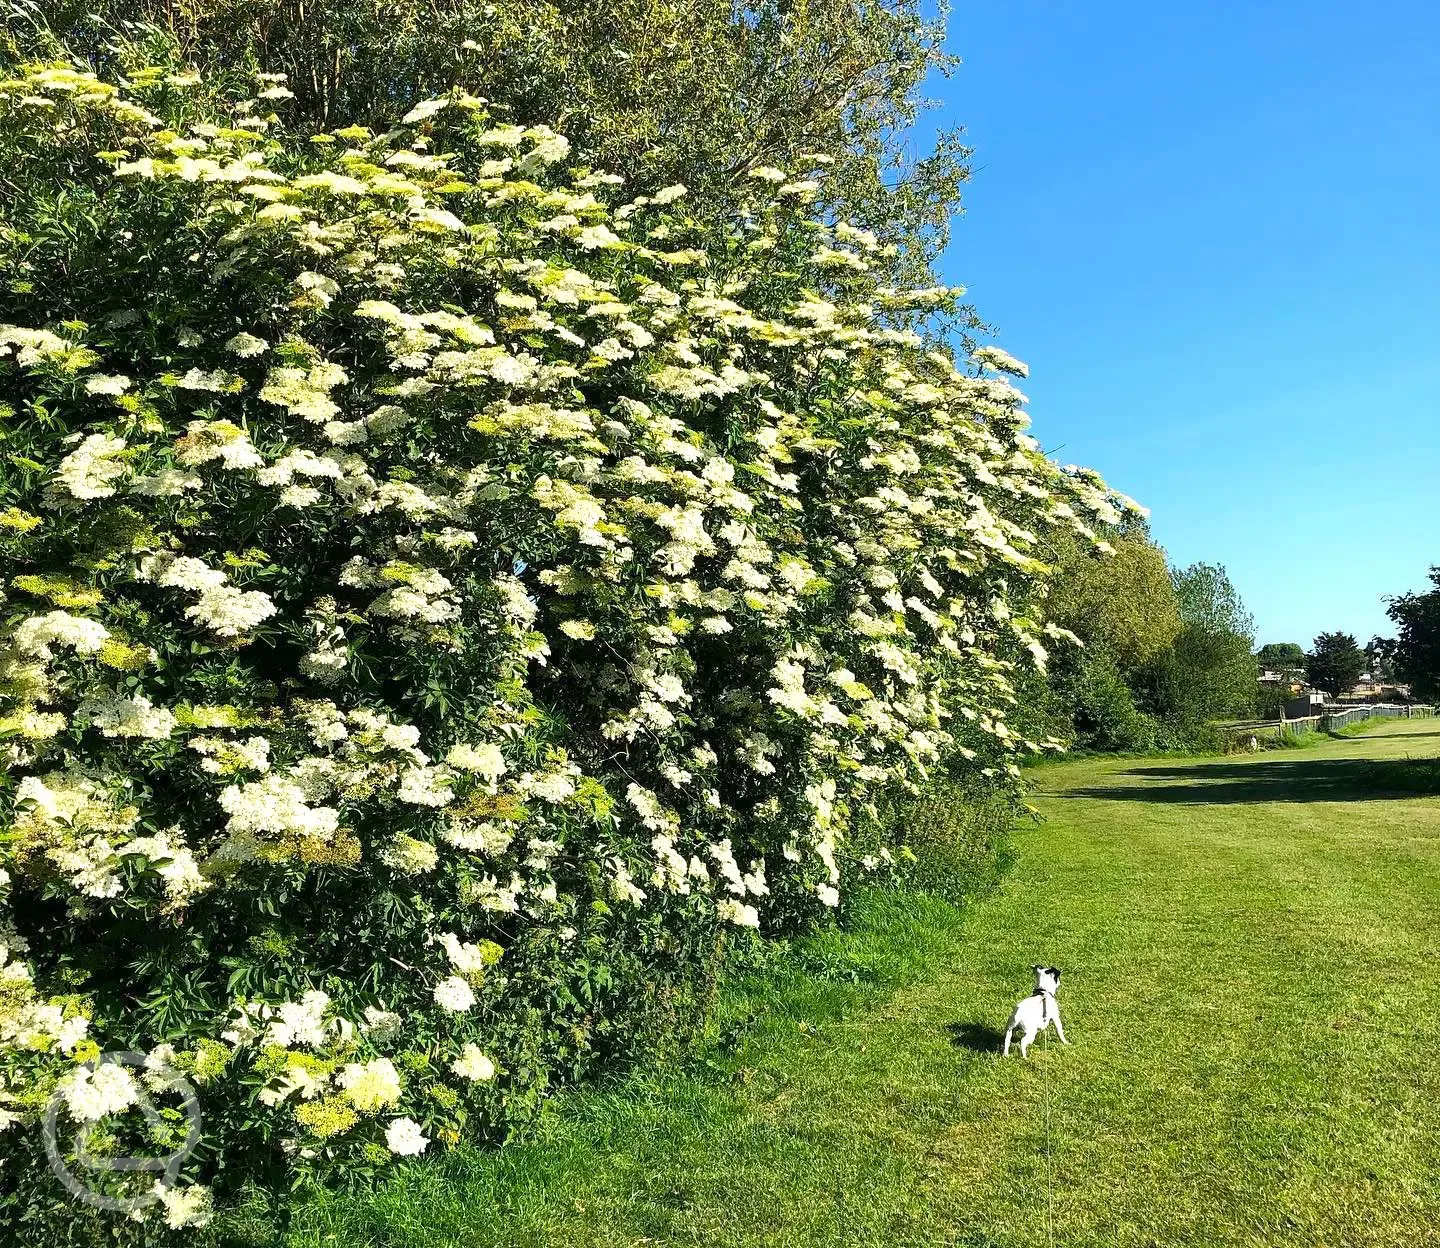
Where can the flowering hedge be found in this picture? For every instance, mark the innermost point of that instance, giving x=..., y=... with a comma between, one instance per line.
x=445, y=598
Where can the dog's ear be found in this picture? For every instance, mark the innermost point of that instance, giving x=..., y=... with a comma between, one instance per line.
x=1055, y=971
x=1037, y=969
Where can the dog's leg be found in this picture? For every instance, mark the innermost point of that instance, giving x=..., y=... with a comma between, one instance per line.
x=1059, y=1030
x=1025, y=1041
x=1005, y=1047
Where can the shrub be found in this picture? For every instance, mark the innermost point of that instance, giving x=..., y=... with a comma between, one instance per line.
x=449, y=605
x=957, y=831
x=1103, y=709
x=1270, y=699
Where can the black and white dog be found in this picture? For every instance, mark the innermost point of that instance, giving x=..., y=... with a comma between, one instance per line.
x=1036, y=1012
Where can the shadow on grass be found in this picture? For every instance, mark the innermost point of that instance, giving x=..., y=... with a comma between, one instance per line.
x=1297, y=780
x=977, y=1037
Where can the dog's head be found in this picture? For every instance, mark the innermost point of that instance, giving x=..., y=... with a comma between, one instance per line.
x=1047, y=978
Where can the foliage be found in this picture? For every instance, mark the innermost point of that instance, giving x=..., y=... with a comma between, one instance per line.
x=1292, y=738
x=1118, y=601
x=1281, y=656
x=1204, y=676
x=1335, y=663
x=1415, y=650
x=1102, y=707
x=1209, y=602
x=1117, y=598
x=451, y=603
x=662, y=91
x=1270, y=699
x=1210, y=671
x=956, y=834
x=1165, y=652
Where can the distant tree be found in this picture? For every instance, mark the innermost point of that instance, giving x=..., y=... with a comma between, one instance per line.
x=1335, y=663
x=1210, y=671
x=1380, y=657
x=1416, y=648
x=1281, y=656
x=1122, y=605
x=1165, y=651
x=1210, y=602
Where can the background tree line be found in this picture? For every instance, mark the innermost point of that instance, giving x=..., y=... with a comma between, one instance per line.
x=1165, y=651
x=1413, y=654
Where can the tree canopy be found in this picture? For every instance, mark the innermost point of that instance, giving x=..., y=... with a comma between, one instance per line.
x=661, y=91
x=1210, y=603
x=1281, y=655
x=1415, y=650
x=1121, y=601
x=1210, y=671
x=1335, y=663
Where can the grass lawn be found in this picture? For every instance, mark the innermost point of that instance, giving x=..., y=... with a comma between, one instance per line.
x=1252, y=997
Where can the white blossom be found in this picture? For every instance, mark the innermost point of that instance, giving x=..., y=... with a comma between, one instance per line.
x=454, y=994
x=405, y=1138
x=473, y=1065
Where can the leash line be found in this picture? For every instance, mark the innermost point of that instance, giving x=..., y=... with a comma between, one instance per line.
x=1049, y=1181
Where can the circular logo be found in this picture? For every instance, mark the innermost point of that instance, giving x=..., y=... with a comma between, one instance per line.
x=151, y=1076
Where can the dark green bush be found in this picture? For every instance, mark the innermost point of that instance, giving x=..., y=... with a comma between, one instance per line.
x=1105, y=715
x=959, y=833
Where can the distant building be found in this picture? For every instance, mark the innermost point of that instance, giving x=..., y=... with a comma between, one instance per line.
x=1370, y=688
x=1290, y=678
x=1305, y=705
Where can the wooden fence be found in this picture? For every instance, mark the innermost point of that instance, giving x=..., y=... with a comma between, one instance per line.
x=1330, y=719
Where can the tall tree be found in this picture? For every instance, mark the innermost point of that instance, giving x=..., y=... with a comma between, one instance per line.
x=1416, y=651
x=661, y=91
x=1335, y=663
x=1210, y=670
x=1122, y=604
x=1210, y=602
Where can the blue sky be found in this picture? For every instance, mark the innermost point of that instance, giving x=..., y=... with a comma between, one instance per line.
x=1213, y=231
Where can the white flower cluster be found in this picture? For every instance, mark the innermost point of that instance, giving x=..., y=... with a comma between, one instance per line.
x=89, y=471
x=278, y=806
x=221, y=608
x=35, y=636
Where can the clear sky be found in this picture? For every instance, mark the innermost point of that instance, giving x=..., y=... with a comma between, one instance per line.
x=1213, y=231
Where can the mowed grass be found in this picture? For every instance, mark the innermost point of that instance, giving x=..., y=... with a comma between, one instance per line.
x=1252, y=998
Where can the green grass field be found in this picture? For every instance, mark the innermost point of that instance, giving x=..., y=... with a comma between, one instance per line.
x=1253, y=1002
